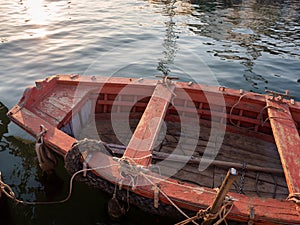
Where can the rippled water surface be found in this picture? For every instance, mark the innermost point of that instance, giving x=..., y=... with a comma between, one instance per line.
x=251, y=45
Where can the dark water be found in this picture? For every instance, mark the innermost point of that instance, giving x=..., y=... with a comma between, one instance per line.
x=251, y=45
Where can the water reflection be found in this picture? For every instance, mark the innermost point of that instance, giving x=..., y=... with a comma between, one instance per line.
x=24, y=176
x=249, y=29
x=248, y=44
x=4, y=121
x=37, y=15
x=169, y=44
x=19, y=172
x=36, y=11
x=171, y=9
x=249, y=23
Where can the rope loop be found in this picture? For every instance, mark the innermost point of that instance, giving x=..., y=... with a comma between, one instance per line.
x=7, y=190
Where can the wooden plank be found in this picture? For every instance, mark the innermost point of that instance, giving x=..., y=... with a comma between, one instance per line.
x=143, y=140
x=51, y=111
x=288, y=142
x=30, y=122
x=119, y=149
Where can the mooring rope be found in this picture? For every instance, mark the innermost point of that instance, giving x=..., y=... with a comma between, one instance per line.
x=167, y=197
x=135, y=170
x=202, y=213
x=7, y=190
x=182, y=185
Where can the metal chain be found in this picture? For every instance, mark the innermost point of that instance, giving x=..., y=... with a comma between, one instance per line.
x=242, y=179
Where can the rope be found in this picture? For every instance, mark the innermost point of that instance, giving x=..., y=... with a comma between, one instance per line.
x=260, y=114
x=205, y=214
x=134, y=168
x=130, y=170
x=115, y=206
x=181, y=185
x=295, y=197
x=133, y=160
x=134, y=171
x=263, y=122
x=165, y=80
x=223, y=212
x=46, y=159
x=129, y=166
x=167, y=197
x=7, y=190
x=231, y=110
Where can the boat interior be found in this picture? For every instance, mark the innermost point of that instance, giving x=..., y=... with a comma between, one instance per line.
x=203, y=133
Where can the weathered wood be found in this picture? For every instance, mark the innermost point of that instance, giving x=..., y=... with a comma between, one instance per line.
x=143, y=140
x=231, y=153
x=118, y=149
x=41, y=108
x=262, y=185
x=235, y=149
x=287, y=140
x=192, y=197
x=226, y=164
x=269, y=183
x=54, y=138
x=227, y=183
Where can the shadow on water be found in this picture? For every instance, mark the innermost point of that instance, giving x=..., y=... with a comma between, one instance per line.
x=20, y=171
x=5, y=217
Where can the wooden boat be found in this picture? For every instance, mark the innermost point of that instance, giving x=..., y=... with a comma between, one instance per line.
x=168, y=145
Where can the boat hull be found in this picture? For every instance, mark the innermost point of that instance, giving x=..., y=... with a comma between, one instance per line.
x=65, y=104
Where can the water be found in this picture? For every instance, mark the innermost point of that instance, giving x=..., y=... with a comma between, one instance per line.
x=251, y=45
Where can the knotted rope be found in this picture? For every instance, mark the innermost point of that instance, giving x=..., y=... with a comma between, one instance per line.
x=205, y=215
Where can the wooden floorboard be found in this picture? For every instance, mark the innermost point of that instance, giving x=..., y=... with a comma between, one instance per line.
x=235, y=148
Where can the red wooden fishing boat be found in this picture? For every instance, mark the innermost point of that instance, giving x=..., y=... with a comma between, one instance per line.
x=168, y=145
